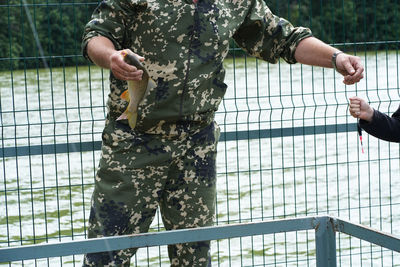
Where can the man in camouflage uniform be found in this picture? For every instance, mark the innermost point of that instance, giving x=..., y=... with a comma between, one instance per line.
x=168, y=159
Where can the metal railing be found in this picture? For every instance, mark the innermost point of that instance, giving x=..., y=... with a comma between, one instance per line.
x=325, y=238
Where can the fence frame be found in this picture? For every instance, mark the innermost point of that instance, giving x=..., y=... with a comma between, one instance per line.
x=325, y=238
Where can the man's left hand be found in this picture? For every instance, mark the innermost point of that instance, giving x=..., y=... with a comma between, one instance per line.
x=350, y=67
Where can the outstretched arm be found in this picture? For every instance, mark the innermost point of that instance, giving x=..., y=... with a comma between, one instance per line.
x=312, y=51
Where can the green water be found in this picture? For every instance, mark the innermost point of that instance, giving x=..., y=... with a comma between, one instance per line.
x=47, y=198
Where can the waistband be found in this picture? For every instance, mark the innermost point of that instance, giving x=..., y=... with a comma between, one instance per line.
x=180, y=128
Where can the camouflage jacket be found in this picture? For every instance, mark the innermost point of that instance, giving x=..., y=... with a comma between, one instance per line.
x=184, y=45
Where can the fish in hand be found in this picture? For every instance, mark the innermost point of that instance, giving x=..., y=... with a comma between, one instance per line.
x=136, y=90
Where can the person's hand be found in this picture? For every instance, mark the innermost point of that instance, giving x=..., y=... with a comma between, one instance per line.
x=123, y=70
x=350, y=67
x=360, y=109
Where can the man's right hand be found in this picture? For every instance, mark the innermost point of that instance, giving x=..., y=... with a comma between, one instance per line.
x=102, y=52
x=123, y=70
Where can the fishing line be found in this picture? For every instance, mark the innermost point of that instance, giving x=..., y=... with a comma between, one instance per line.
x=360, y=135
x=35, y=34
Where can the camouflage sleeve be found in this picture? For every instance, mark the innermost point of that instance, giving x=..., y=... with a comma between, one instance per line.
x=269, y=37
x=110, y=19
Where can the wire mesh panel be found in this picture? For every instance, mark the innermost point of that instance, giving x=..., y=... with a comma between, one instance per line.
x=288, y=146
x=313, y=165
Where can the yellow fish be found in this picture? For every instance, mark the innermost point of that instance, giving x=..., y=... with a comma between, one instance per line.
x=136, y=90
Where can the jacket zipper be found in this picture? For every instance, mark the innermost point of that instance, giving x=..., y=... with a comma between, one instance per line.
x=185, y=85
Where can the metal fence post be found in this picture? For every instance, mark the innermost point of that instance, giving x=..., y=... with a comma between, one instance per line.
x=325, y=242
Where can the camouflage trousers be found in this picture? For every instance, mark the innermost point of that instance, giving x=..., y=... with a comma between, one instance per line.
x=139, y=173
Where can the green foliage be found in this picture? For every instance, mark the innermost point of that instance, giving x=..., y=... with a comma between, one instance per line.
x=348, y=23
x=53, y=35
x=36, y=33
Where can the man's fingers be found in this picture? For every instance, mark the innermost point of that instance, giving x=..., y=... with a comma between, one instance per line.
x=352, y=79
x=131, y=72
x=123, y=70
x=349, y=67
x=359, y=67
x=129, y=75
x=358, y=72
x=130, y=52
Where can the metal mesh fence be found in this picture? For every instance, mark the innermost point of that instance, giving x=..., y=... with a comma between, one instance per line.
x=288, y=146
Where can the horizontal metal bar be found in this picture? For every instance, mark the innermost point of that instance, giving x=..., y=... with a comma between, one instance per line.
x=225, y=136
x=194, y=235
x=48, y=4
x=156, y=239
x=49, y=149
x=368, y=234
x=289, y=131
